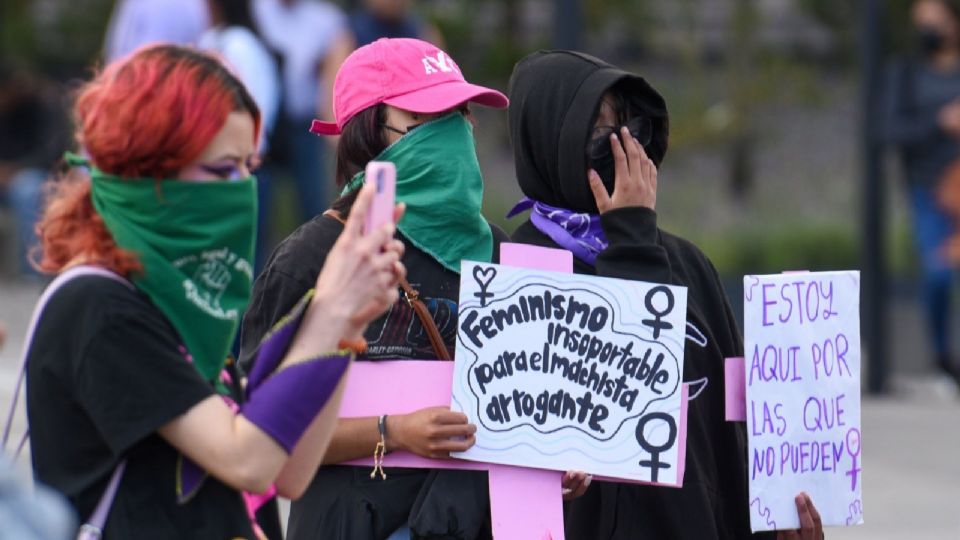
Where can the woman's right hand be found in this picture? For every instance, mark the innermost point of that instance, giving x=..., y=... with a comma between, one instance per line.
x=361, y=276
x=433, y=432
x=635, y=183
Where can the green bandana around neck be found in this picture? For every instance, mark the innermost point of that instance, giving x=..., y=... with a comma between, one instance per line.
x=438, y=177
x=195, y=241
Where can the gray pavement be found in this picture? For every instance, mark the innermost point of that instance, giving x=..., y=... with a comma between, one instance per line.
x=911, y=438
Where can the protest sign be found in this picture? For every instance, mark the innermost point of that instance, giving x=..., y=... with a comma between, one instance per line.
x=802, y=378
x=571, y=372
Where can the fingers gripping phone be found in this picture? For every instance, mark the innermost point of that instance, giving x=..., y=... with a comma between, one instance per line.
x=383, y=174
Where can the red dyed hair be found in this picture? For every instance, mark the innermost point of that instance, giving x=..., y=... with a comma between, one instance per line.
x=146, y=116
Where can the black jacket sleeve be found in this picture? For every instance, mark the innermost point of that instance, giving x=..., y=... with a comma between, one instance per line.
x=634, y=251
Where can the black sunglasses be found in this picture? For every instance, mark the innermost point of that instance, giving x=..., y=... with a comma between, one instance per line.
x=640, y=127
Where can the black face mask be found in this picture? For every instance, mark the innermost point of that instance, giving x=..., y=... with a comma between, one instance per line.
x=600, y=154
x=930, y=41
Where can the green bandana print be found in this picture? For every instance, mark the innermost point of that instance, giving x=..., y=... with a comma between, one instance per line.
x=439, y=179
x=195, y=241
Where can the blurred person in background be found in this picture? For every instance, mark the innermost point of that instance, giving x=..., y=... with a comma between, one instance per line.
x=234, y=36
x=301, y=34
x=375, y=19
x=138, y=22
x=922, y=121
x=31, y=512
x=33, y=136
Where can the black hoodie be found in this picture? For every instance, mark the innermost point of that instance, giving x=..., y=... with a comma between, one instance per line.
x=554, y=98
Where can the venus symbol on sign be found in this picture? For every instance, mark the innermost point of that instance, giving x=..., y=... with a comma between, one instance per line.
x=654, y=463
x=657, y=323
x=853, y=439
x=483, y=277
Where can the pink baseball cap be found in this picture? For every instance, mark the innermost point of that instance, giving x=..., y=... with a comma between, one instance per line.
x=409, y=74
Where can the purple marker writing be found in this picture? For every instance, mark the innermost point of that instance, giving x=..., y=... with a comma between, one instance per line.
x=853, y=440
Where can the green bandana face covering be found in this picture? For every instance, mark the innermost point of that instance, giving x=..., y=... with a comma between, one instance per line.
x=439, y=179
x=195, y=241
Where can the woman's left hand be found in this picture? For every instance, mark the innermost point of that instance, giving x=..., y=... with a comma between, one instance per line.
x=575, y=484
x=811, y=528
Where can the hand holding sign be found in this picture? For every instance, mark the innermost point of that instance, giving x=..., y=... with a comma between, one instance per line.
x=811, y=526
x=575, y=484
x=433, y=432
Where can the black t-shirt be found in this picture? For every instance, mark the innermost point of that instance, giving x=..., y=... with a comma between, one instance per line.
x=293, y=269
x=342, y=503
x=105, y=372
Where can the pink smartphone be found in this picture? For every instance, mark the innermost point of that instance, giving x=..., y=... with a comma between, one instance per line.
x=383, y=174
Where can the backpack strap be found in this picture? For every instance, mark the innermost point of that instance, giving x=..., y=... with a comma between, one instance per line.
x=412, y=296
x=93, y=528
x=61, y=280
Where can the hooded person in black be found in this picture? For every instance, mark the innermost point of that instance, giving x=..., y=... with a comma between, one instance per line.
x=569, y=113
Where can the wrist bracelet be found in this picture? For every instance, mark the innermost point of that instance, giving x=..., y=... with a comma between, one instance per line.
x=358, y=346
x=380, y=449
x=382, y=428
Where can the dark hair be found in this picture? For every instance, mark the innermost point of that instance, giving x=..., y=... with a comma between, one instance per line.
x=361, y=140
x=237, y=13
x=630, y=100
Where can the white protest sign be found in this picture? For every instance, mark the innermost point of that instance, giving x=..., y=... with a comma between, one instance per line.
x=802, y=360
x=570, y=372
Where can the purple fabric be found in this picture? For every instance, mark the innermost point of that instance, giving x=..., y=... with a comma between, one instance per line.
x=285, y=404
x=580, y=233
x=272, y=350
x=191, y=476
x=275, y=345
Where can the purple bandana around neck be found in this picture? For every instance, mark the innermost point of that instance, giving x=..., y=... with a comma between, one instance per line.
x=581, y=234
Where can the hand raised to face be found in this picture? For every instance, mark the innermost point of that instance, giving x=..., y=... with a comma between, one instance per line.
x=635, y=184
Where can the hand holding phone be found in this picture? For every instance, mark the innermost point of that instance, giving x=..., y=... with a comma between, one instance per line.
x=383, y=174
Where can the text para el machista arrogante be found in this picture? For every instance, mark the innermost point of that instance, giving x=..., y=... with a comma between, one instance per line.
x=584, y=368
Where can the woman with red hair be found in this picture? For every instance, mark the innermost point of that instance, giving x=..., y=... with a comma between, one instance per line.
x=152, y=237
